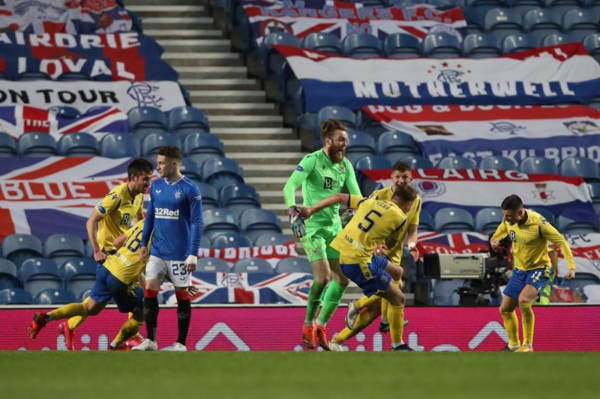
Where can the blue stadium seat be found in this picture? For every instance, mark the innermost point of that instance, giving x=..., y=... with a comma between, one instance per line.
x=36, y=144
x=360, y=144
x=79, y=274
x=37, y=274
x=212, y=264
x=322, y=41
x=8, y=145
x=8, y=275
x=271, y=238
x=453, y=220
x=257, y=221
x=554, y=39
x=54, y=296
x=546, y=213
x=191, y=169
x=293, y=264
x=338, y=112
x=592, y=44
x=239, y=197
x=63, y=246
x=541, y=165
x=119, y=145
x=19, y=247
x=414, y=160
x=198, y=145
x=441, y=45
x=445, y=292
x=361, y=45
x=523, y=6
x=397, y=142
x=65, y=110
x=488, y=219
x=539, y=23
x=152, y=142
x=426, y=222
x=579, y=166
x=221, y=172
x=502, y=22
x=372, y=162
x=146, y=116
x=456, y=162
x=187, y=116
x=497, y=162
x=205, y=242
x=480, y=45
x=401, y=45
x=78, y=144
x=229, y=239
x=579, y=22
x=567, y=225
x=516, y=42
x=252, y=265
x=269, y=59
x=210, y=195
x=15, y=296
x=219, y=220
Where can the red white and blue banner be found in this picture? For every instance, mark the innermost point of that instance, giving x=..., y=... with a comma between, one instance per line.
x=341, y=19
x=119, y=56
x=20, y=119
x=543, y=76
x=68, y=16
x=473, y=189
x=515, y=132
x=86, y=94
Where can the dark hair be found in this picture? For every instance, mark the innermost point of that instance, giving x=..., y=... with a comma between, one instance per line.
x=138, y=167
x=330, y=126
x=172, y=152
x=402, y=166
x=512, y=203
x=405, y=192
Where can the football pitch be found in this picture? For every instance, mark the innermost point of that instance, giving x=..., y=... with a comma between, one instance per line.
x=290, y=375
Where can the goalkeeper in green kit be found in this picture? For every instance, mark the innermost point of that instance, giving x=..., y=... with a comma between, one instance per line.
x=321, y=173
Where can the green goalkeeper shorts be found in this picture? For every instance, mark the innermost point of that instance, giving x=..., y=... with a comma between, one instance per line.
x=316, y=242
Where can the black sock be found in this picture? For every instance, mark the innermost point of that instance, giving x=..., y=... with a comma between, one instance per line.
x=184, y=315
x=151, y=316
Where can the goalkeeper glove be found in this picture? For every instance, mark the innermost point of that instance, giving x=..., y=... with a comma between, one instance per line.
x=296, y=222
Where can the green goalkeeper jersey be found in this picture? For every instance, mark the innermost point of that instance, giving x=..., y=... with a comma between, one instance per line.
x=320, y=178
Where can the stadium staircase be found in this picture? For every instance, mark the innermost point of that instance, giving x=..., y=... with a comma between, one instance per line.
x=216, y=78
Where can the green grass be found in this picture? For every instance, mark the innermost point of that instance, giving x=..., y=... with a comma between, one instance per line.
x=290, y=375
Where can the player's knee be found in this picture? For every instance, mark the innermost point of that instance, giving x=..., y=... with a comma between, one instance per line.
x=182, y=295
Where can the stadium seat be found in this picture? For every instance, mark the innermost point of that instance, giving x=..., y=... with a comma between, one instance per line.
x=239, y=197
x=205, y=242
x=555, y=39
x=191, y=169
x=252, y=265
x=579, y=166
x=359, y=144
x=37, y=274
x=65, y=110
x=36, y=144
x=19, y=247
x=361, y=45
x=401, y=45
x=146, y=116
x=539, y=23
x=293, y=264
x=579, y=22
x=8, y=145
x=210, y=195
x=567, y=225
x=426, y=222
x=119, y=145
x=208, y=264
x=219, y=220
x=497, y=162
x=453, y=220
x=456, y=162
x=202, y=143
x=151, y=143
x=259, y=220
x=54, y=296
x=322, y=41
x=546, y=213
x=441, y=45
x=523, y=6
x=541, y=165
x=414, y=160
x=15, y=296
x=591, y=42
x=8, y=274
x=221, y=172
x=229, y=239
x=79, y=274
x=445, y=292
x=78, y=144
x=516, y=42
x=397, y=142
x=480, y=45
x=63, y=246
x=338, y=112
x=369, y=162
x=488, y=219
x=269, y=59
x=186, y=116
x=271, y=238
x=502, y=22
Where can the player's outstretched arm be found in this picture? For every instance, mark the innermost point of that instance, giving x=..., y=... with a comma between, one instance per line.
x=308, y=211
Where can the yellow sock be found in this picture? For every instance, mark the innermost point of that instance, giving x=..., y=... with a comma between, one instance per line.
x=76, y=321
x=69, y=310
x=395, y=316
x=364, y=301
x=528, y=319
x=128, y=329
x=511, y=325
x=384, y=308
x=363, y=320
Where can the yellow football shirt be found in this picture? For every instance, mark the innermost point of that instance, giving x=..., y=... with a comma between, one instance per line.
x=126, y=264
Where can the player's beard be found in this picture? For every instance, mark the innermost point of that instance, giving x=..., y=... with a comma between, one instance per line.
x=336, y=154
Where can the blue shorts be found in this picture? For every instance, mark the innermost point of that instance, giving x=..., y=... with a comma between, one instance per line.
x=372, y=278
x=108, y=286
x=520, y=278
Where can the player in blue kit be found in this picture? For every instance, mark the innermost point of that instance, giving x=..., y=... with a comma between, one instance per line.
x=174, y=222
